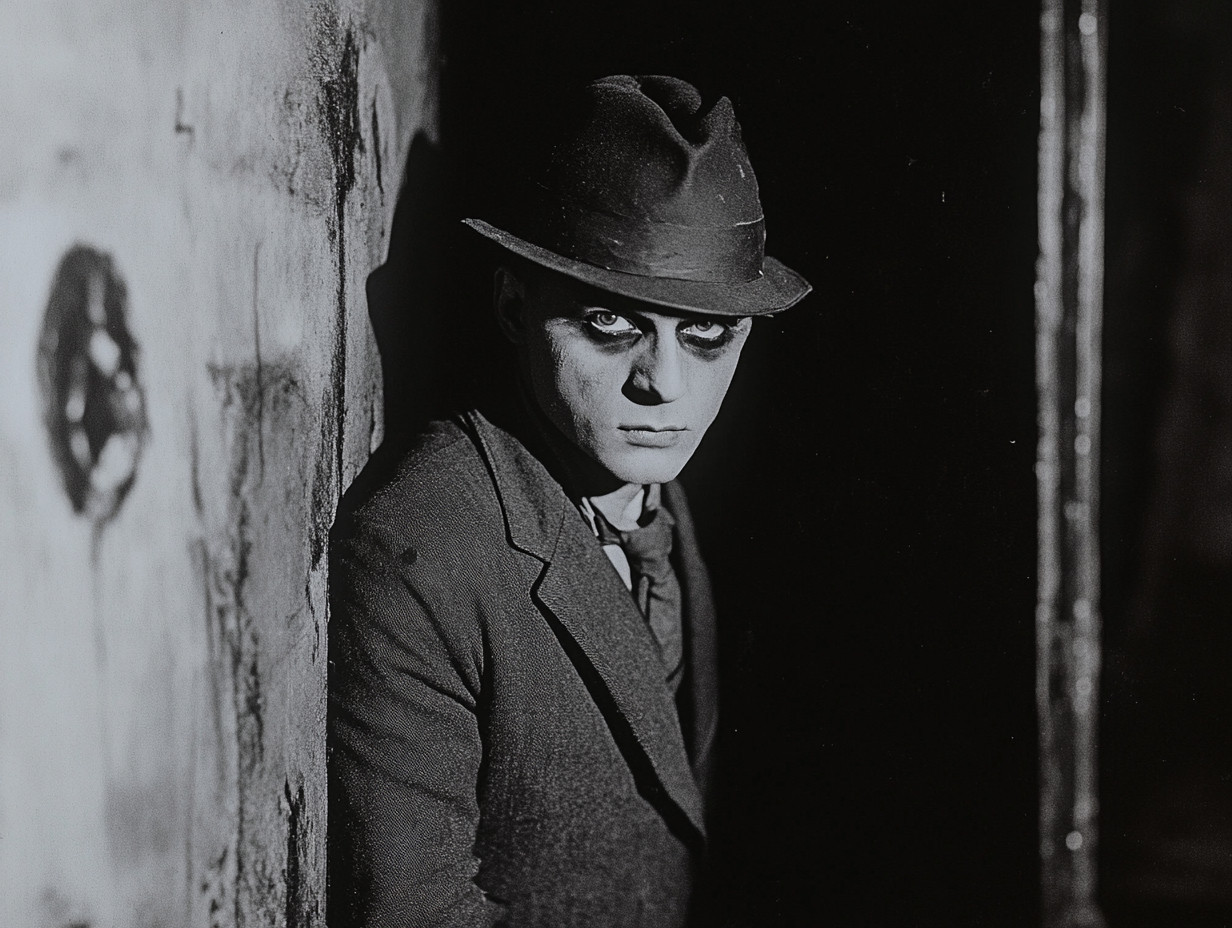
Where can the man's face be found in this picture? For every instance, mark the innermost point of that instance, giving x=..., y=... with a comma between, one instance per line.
x=635, y=387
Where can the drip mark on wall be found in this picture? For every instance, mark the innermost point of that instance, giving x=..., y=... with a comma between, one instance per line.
x=181, y=127
x=376, y=148
x=256, y=339
x=338, y=105
x=194, y=466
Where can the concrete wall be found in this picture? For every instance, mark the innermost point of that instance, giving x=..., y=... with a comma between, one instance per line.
x=227, y=173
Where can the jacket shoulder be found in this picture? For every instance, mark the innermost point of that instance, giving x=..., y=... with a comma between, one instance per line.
x=439, y=485
x=440, y=480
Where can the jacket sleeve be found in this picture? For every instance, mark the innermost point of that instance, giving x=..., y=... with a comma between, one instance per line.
x=405, y=747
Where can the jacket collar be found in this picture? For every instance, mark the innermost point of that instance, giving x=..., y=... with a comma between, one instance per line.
x=533, y=502
x=594, y=616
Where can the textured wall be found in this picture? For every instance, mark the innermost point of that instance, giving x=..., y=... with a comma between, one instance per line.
x=226, y=173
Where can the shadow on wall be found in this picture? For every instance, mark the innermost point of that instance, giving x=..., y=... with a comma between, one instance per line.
x=429, y=307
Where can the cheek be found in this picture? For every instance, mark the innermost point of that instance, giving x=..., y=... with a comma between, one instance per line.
x=587, y=389
x=582, y=387
x=708, y=387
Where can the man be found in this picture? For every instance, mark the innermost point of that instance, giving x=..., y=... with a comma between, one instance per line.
x=522, y=684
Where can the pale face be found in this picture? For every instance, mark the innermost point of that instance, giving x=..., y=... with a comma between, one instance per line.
x=633, y=386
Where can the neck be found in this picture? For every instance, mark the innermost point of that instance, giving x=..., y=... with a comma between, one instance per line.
x=623, y=506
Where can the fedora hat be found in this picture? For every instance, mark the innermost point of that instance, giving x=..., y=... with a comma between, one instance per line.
x=645, y=193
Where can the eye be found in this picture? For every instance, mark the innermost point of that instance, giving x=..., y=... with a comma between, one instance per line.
x=610, y=323
x=706, y=331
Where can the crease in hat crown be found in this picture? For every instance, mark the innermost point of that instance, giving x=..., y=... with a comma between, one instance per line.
x=648, y=192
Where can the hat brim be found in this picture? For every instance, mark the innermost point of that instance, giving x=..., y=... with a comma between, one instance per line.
x=777, y=289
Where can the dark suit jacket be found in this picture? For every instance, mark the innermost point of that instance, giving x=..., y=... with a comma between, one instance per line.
x=503, y=746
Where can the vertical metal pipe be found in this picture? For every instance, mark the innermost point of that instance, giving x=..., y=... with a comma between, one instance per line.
x=1069, y=295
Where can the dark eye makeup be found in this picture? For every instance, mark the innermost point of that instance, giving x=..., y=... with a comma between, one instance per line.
x=707, y=334
x=704, y=334
x=610, y=324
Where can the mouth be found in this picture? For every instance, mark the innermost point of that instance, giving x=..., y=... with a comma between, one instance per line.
x=653, y=436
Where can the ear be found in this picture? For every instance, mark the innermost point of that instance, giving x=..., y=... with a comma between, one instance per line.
x=509, y=301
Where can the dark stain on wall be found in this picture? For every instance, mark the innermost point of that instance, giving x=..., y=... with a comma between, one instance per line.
x=336, y=61
x=204, y=563
x=93, y=402
x=324, y=479
x=338, y=105
x=213, y=886
x=239, y=631
x=256, y=346
x=194, y=467
x=301, y=900
x=252, y=396
x=181, y=127
x=241, y=641
x=58, y=909
x=288, y=171
x=376, y=149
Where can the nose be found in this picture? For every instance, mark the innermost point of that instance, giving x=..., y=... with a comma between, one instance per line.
x=658, y=374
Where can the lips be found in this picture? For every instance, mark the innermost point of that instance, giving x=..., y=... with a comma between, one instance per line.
x=651, y=436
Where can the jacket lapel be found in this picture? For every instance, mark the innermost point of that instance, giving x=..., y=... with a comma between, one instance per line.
x=600, y=624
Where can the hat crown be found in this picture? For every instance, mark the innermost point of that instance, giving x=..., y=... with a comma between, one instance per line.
x=642, y=189
x=646, y=148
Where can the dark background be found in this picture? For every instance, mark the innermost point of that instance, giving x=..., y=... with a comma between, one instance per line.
x=867, y=497
x=1167, y=468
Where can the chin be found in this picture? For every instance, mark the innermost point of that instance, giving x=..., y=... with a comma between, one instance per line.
x=645, y=465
